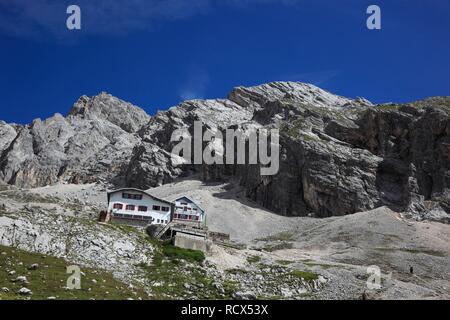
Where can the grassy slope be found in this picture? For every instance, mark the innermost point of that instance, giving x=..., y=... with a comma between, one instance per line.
x=50, y=279
x=173, y=268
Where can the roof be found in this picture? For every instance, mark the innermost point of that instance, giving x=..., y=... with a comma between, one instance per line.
x=190, y=201
x=138, y=190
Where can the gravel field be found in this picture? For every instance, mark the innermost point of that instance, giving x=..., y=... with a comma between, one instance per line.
x=338, y=248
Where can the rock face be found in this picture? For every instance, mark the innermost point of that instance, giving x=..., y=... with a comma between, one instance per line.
x=77, y=240
x=92, y=143
x=337, y=155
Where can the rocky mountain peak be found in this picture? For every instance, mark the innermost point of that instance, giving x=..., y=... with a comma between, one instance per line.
x=299, y=92
x=105, y=106
x=338, y=155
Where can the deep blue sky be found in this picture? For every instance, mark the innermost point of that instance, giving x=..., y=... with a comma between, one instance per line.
x=157, y=53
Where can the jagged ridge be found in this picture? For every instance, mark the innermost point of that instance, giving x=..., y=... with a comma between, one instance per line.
x=339, y=155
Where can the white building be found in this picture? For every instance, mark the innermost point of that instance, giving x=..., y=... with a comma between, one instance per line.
x=187, y=210
x=134, y=205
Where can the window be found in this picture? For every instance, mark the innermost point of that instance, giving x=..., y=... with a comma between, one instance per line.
x=118, y=206
x=156, y=208
x=159, y=221
x=142, y=208
x=132, y=196
x=165, y=209
x=130, y=207
x=195, y=209
x=185, y=208
x=184, y=204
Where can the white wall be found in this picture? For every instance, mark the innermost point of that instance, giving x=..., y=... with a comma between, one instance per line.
x=146, y=201
x=190, y=206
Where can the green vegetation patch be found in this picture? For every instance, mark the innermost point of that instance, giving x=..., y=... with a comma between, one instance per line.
x=416, y=251
x=284, y=262
x=278, y=246
x=173, y=252
x=313, y=263
x=177, y=273
x=126, y=229
x=271, y=298
x=236, y=271
x=230, y=287
x=306, y=275
x=28, y=197
x=389, y=107
x=253, y=259
x=49, y=279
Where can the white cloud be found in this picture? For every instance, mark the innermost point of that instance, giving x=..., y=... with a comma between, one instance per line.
x=195, y=85
x=28, y=18
x=36, y=17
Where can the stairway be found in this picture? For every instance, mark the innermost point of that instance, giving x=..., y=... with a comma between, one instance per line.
x=164, y=230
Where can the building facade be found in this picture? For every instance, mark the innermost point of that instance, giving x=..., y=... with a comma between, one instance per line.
x=187, y=210
x=134, y=205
